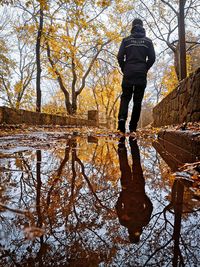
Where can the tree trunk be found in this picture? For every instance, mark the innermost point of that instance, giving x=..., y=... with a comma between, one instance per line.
x=182, y=46
x=74, y=103
x=38, y=61
x=60, y=81
x=74, y=95
x=176, y=62
x=67, y=103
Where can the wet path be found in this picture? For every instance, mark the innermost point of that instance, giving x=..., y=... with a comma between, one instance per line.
x=68, y=200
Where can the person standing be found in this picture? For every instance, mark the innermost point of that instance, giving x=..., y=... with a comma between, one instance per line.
x=135, y=57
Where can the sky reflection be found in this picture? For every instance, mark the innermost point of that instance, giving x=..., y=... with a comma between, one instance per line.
x=95, y=202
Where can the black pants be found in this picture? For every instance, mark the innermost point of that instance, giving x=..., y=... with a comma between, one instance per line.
x=127, y=91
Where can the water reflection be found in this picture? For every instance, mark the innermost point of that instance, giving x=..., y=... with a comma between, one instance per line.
x=133, y=206
x=176, y=206
x=62, y=206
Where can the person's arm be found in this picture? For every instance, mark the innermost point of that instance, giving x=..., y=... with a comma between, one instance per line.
x=151, y=56
x=120, y=56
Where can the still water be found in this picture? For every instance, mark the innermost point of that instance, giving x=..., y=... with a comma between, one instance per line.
x=88, y=201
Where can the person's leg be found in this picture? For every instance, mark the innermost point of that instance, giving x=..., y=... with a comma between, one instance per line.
x=138, y=94
x=127, y=92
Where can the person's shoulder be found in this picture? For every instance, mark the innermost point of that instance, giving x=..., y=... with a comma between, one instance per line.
x=147, y=39
x=127, y=38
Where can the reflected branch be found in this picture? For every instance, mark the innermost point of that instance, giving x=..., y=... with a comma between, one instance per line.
x=90, y=185
x=158, y=249
x=38, y=189
x=24, y=212
x=59, y=171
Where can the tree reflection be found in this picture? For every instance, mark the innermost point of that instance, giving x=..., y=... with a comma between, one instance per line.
x=38, y=204
x=177, y=204
x=133, y=206
x=71, y=196
x=176, y=242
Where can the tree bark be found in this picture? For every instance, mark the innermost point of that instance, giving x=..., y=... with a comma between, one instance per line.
x=177, y=62
x=182, y=45
x=74, y=96
x=60, y=81
x=38, y=61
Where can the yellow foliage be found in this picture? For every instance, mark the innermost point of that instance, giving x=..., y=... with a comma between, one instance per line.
x=26, y=28
x=18, y=87
x=86, y=101
x=51, y=71
x=83, y=23
x=104, y=3
x=189, y=63
x=102, y=96
x=44, y=4
x=55, y=105
x=123, y=6
x=113, y=35
x=170, y=80
x=66, y=38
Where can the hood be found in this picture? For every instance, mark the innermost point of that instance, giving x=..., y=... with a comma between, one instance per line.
x=138, y=31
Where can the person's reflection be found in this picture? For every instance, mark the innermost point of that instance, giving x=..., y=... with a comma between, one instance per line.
x=133, y=206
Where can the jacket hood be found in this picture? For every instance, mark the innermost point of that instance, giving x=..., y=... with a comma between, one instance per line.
x=138, y=31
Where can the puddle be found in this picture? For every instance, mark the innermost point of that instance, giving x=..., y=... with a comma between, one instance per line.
x=94, y=202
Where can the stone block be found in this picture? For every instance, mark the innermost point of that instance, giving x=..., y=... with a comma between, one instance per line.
x=185, y=140
x=176, y=153
x=1, y=114
x=14, y=116
x=176, y=106
x=92, y=139
x=94, y=116
x=195, y=116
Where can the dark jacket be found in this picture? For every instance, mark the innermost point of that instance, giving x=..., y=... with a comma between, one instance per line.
x=136, y=56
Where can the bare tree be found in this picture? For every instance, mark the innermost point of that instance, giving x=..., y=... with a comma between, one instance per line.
x=162, y=19
x=38, y=55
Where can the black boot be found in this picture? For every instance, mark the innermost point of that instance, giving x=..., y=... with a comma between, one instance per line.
x=132, y=128
x=121, y=126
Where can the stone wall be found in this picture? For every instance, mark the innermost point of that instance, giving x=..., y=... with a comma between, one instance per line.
x=178, y=147
x=181, y=105
x=14, y=116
